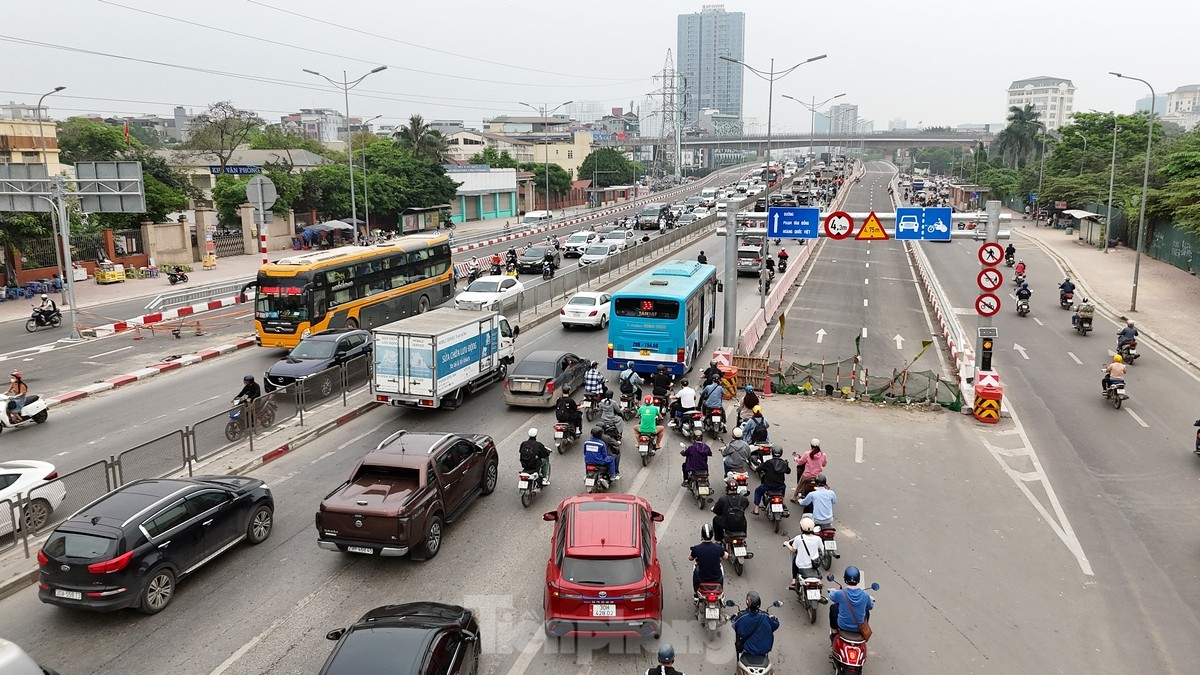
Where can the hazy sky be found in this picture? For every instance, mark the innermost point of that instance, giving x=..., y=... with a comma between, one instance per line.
x=935, y=62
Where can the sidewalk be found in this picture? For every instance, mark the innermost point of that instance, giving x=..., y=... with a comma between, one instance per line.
x=1168, y=297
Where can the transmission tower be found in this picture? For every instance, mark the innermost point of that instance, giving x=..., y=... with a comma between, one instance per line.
x=670, y=93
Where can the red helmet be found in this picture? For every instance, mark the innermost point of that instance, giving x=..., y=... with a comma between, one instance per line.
x=16, y=374
x=648, y=400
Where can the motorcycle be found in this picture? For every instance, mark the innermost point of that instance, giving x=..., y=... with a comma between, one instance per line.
x=1115, y=392
x=782, y=265
x=589, y=406
x=38, y=319
x=691, y=425
x=473, y=273
x=647, y=447
x=698, y=485
x=709, y=600
x=564, y=436
x=1065, y=299
x=808, y=591
x=1128, y=351
x=1010, y=260
x=1022, y=307
x=596, y=478
x=35, y=409
x=547, y=271
x=177, y=276
x=1083, y=324
x=735, y=545
x=660, y=402
x=776, y=508
x=512, y=271
x=849, y=649
x=496, y=270
x=529, y=483
x=714, y=422
x=761, y=453
x=828, y=545
x=628, y=406
x=748, y=664
x=238, y=425
x=1018, y=279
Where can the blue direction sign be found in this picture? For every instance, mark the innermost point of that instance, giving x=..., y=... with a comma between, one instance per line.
x=929, y=224
x=793, y=222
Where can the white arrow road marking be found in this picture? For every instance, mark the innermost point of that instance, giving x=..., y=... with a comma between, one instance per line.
x=1139, y=420
x=1074, y=358
x=1022, y=350
x=820, y=335
x=899, y=341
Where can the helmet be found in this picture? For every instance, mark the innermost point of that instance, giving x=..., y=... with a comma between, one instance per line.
x=711, y=364
x=822, y=480
x=752, y=600
x=533, y=432
x=1086, y=301
x=1021, y=261
x=45, y=297
x=666, y=654
x=16, y=374
x=629, y=365
x=1066, y=280
x=776, y=451
x=852, y=576
x=737, y=432
x=566, y=391
x=706, y=532
x=731, y=486
x=662, y=368
x=594, y=364
x=816, y=443
x=1025, y=284
x=597, y=432
x=1117, y=358
x=248, y=378
x=807, y=524
x=648, y=400
x=749, y=388
x=1129, y=323
x=683, y=383
x=757, y=409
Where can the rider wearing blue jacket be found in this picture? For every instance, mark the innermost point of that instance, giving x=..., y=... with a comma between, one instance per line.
x=850, y=607
x=595, y=451
x=754, y=629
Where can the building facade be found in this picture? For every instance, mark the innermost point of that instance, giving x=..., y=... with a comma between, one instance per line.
x=1160, y=104
x=483, y=192
x=21, y=143
x=1052, y=97
x=468, y=143
x=323, y=125
x=708, y=81
x=843, y=118
x=1183, y=106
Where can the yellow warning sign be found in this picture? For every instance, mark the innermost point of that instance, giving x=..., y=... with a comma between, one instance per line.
x=871, y=229
x=987, y=410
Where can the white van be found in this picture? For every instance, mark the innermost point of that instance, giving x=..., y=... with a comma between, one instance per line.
x=535, y=217
x=708, y=196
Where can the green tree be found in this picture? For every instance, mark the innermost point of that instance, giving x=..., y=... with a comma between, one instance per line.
x=397, y=181
x=495, y=159
x=84, y=140
x=609, y=167
x=221, y=129
x=422, y=141
x=1017, y=140
x=560, y=180
x=16, y=231
x=271, y=137
x=229, y=194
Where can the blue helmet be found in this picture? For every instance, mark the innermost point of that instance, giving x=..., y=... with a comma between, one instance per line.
x=852, y=576
x=1024, y=284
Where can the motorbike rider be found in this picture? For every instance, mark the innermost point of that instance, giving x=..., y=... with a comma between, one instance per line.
x=773, y=472
x=17, y=391
x=695, y=459
x=712, y=397
x=510, y=256
x=708, y=556
x=1128, y=333
x=754, y=629
x=610, y=420
x=729, y=513
x=1065, y=287
x=808, y=466
x=755, y=428
x=535, y=456
x=631, y=382
x=250, y=390
x=567, y=411
x=1085, y=310
x=737, y=453
x=806, y=550
x=822, y=500
x=593, y=381
x=849, y=607
x=783, y=258
x=595, y=451
x=1010, y=252
x=1023, y=293
x=712, y=373
x=685, y=401
x=1113, y=371
x=648, y=421
x=497, y=264
x=473, y=268
x=666, y=662
x=1020, y=268
x=47, y=308
x=702, y=259
x=749, y=403
x=661, y=382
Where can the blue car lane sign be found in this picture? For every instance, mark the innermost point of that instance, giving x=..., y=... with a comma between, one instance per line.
x=929, y=224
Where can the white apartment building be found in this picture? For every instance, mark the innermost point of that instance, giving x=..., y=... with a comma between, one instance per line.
x=1183, y=106
x=1052, y=97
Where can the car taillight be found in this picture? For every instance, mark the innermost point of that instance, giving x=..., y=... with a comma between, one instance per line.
x=109, y=566
x=593, y=313
x=560, y=592
x=550, y=387
x=610, y=350
x=563, y=311
x=757, y=260
x=506, y=384
x=51, y=476
x=42, y=559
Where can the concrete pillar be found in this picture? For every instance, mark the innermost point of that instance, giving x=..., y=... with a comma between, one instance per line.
x=249, y=229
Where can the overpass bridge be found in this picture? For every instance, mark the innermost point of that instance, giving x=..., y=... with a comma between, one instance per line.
x=889, y=142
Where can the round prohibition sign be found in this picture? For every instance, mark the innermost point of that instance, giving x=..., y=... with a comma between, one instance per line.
x=987, y=304
x=839, y=225
x=989, y=279
x=990, y=254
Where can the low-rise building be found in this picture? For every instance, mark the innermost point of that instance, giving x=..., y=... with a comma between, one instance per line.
x=21, y=142
x=202, y=169
x=467, y=143
x=483, y=192
x=1183, y=106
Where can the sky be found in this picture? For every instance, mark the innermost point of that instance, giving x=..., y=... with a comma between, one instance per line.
x=931, y=63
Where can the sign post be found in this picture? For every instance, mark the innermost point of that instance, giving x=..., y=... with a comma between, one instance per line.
x=988, y=303
x=261, y=192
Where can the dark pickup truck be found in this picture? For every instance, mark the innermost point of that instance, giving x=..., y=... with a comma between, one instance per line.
x=401, y=495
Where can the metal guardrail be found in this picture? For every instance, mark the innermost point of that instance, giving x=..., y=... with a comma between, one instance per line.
x=191, y=296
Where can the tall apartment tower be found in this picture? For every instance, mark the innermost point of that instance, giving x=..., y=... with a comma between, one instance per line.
x=709, y=81
x=1053, y=98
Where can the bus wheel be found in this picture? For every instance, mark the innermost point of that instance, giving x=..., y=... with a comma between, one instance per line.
x=352, y=324
x=423, y=305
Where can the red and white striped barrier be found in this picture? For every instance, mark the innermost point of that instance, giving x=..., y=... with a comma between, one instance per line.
x=168, y=315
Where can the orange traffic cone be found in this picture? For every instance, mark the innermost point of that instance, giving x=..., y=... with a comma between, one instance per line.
x=767, y=384
x=198, y=331
x=137, y=333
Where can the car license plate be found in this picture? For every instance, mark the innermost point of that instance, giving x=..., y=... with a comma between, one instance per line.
x=644, y=449
x=712, y=612
x=360, y=549
x=776, y=508
x=589, y=482
x=471, y=305
x=523, y=485
x=644, y=352
x=604, y=610
x=830, y=545
x=70, y=595
x=702, y=490
x=813, y=594
x=739, y=551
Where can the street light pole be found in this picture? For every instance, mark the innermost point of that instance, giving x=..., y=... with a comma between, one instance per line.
x=812, y=109
x=1084, y=157
x=542, y=111
x=1112, y=174
x=1141, y=240
x=62, y=273
x=346, y=85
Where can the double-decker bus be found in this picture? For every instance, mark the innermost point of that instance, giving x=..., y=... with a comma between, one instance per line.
x=663, y=317
x=350, y=287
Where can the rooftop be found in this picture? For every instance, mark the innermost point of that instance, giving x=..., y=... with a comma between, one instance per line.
x=1040, y=81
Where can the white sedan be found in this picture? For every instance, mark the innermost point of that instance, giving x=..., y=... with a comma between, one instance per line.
x=490, y=292
x=585, y=308
x=599, y=252
x=30, y=479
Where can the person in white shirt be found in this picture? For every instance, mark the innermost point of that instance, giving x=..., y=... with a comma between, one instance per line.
x=805, y=546
x=685, y=399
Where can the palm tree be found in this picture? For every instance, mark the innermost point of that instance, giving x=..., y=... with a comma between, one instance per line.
x=1018, y=139
x=422, y=140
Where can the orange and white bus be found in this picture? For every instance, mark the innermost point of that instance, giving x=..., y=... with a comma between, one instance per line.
x=350, y=287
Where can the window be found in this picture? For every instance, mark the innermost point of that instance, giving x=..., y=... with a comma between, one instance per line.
x=645, y=308
x=447, y=461
x=7, y=479
x=205, y=501
x=166, y=520
x=570, y=154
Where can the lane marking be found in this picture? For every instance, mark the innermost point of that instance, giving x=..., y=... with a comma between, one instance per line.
x=356, y=439
x=113, y=351
x=328, y=454
x=864, y=302
x=1139, y=420
x=1038, y=321
x=858, y=450
x=866, y=281
x=868, y=264
x=864, y=333
x=795, y=295
x=1075, y=358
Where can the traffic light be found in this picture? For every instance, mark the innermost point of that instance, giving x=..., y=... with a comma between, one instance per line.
x=985, y=355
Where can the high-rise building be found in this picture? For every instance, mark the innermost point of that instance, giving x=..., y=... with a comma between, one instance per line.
x=843, y=118
x=1052, y=97
x=708, y=81
x=898, y=125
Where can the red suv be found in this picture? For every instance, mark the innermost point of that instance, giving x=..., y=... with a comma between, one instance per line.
x=603, y=577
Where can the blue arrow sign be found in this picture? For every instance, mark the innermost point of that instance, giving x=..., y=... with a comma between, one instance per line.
x=793, y=222
x=928, y=224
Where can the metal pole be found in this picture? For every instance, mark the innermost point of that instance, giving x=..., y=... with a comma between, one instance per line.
x=812, y=129
x=729, y=334
x=547, y=150
x=1042, y=170
x=1112, y=174
x=762, y=284
x=1141, y=240
x=1083, y=158
x=350, y=149
x=60, y=197
x=62, y=272
x=992, y=207
x=366, y=197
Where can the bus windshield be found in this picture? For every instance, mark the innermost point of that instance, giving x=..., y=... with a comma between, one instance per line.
x=281, y=299
x=647, y=308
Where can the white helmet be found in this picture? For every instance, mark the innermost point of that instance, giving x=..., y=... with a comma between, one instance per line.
x=737, y=432
x=807, y=524
x=816, y=443
x=45, y=297
x=533, y=432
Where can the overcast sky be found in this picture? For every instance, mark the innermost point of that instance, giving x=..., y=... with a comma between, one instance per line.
x=934, y=62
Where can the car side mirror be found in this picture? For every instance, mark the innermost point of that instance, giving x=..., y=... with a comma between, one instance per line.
x=335, y=634
x=550, y=515
x=468, y=636
x=656, y=516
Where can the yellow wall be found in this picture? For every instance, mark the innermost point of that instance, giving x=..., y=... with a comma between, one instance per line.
x=21, y=144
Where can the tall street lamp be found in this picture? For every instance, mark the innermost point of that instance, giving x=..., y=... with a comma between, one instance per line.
x=1042, y=169
x=62, y=274
x=1141, y=240
x=1084, y=157
x=1112, y=174
x=366, y=191
x=346, y=85
x=812, y=109
x=542, y=112
x=770, y=76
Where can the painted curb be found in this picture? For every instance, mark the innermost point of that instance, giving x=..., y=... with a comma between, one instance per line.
x=305, y=438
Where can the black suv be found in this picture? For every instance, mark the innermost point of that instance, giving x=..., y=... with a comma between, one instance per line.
x=416, y=638
x=131, y=546
x=317, y=353
x=531, y=260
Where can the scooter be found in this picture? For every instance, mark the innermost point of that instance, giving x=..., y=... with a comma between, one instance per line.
x=698, y=485
x=496, y=270
x=776, y=508
x=596, y=478
x=1083, y=324
x=529, y=483
x=748, y=664
x=1128, y=351
x=564, y=436
x=714, y=422
x=1010, y=260
x=739, y=553
x=589, y=406
x=35, y=410
x=547, y=271
x=1115, y=392
x=1018, y=279
x=709, y=599
x=1066, y=300
x=39, y=320
x=647, y=447
x=807, y=585
x=849, y=649
x=828, y=545
x=628, y=406
x=238, y=425
x=1022, y=307
x=691, y=425
x=759, y=456
x=177, y=276
x=1197, y=450
x=473, y=273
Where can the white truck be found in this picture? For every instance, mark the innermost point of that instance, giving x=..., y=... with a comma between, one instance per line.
x=433, y=360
